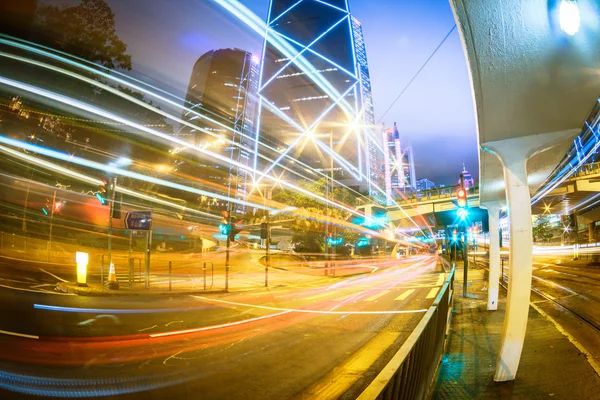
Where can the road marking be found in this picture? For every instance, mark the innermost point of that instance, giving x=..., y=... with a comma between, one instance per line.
x=432, y=293
x=37, y=291
x=303, y=310
x=337, y=382
x=404, y=295
x=594, y=364
x=109, y=311
x=207, y=328
x=19, y=334
x=54, y=276
x=440, y=280
x=378, y=295
x=318, y=296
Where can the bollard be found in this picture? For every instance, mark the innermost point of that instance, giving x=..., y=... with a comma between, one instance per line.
x=170, y=275
x=204, y=272
x=102, y=270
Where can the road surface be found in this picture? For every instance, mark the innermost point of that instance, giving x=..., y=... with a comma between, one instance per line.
x=321, y=339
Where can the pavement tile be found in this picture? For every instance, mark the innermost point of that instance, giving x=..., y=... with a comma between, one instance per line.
x=551, y=366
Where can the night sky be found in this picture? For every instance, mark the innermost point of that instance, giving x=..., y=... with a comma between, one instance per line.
x=435, y=115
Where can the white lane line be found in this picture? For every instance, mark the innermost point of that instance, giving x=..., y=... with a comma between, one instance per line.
x=378, y=295
x=207, y=328
x=54, y=276
x=19, y=334
x=440, y=280
x=303, y=310
x=432, y=293
x=37, y=291
x=318, y=296
x=404, y=295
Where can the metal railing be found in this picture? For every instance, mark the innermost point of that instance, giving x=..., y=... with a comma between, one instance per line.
x=410, y=372
x=434, y=194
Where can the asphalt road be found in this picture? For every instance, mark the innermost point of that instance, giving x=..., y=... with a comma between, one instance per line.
x=569, y=292
x=323, y=338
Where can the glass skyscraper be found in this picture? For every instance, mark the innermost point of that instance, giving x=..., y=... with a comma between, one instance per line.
x=315, y=96
x=222, y=89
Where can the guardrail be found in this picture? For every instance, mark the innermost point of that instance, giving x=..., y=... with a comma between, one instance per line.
x=410, y=372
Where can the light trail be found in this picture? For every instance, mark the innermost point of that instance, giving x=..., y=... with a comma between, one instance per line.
x=167, y=115
x=88, y=179
x=103, y=113
x=306, y=311
x=156, y=110
x=94, y=181
x=213, y=327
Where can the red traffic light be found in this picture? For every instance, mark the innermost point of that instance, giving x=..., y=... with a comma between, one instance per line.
x=461, y=197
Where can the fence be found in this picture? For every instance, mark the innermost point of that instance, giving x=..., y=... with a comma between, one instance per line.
x=410, y=372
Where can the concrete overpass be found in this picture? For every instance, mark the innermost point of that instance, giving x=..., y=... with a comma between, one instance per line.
x=533, y=86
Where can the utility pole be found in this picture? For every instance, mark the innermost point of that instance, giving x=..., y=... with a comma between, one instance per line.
x=333, y=238
x=465, y=246
x=53, y=205
x=111, y=207
x=269, y=195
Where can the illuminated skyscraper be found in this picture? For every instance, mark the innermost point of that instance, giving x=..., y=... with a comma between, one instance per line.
x=222, y=90
x=315, y=96
x=400, y=168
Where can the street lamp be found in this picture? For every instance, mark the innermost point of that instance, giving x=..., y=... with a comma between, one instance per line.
x=569, y=17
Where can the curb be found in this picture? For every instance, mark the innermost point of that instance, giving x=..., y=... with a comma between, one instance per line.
x=69, y=287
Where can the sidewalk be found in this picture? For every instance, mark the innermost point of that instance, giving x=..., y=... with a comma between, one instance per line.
x=551, y=366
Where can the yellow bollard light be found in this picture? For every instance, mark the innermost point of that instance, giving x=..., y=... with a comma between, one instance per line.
x=81, y=259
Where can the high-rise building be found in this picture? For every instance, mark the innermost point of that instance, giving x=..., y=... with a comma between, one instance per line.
x=400, y=168
x=467, y=177
x=315, y=95
x=424, y=184
x=222, y=100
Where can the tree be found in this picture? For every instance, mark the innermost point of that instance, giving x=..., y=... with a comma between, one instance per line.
x=308, y=233
x=86, y=30
x=541, y=229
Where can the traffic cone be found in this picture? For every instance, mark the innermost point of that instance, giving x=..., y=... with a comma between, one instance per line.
x=112, y=282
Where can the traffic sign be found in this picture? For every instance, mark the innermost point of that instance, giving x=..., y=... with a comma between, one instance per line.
x=138, y=220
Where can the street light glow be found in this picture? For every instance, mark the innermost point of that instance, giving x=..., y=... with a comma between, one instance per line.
x=569, y=17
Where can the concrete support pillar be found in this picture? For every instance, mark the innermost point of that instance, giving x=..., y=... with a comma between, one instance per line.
x=493, y=208
x=514, y=154
x=591, y=232
x=520, y=267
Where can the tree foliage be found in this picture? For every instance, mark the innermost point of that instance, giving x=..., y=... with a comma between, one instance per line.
x=309, y=233
x=542, y=231
x=86, y=30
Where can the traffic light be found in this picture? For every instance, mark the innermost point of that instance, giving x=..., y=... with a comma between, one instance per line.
x=47, y=208
x=117, y=206
x=234, y=229
x=461, y=201
x=224, y=228
x=264, y=233
x=335, y=242
x=101, y=192
x=461, y=197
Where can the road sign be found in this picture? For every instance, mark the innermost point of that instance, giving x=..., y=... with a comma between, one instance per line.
x=138, y=220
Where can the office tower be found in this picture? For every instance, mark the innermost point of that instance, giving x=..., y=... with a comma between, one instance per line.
x=424, y=184
x=315, y=96
x=400, y=167
x=222, y=103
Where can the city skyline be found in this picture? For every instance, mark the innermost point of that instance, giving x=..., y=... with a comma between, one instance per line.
x=440, y=94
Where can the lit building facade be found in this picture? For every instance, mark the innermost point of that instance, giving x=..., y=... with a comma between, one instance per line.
x=400, y=166
x=222, y=102
x=315, y=97
x=468, y=178
x=424, y=184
